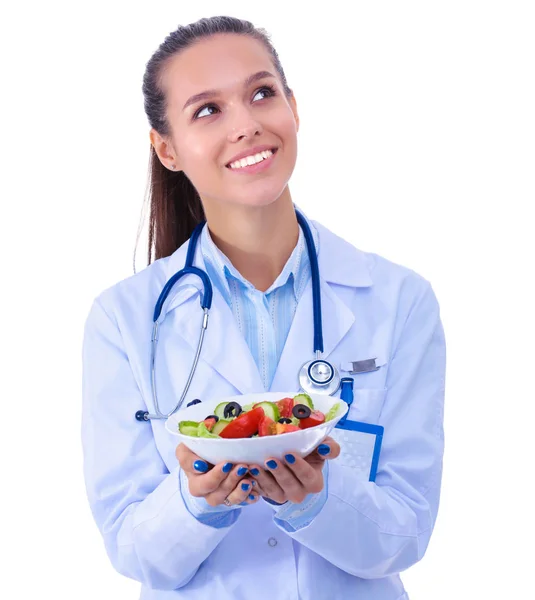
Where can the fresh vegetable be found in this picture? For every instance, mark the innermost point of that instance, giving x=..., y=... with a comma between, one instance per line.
x=301, y=411
x=243, y=426
x=188, y=428
x=315, y=418
x=304, y=399
x=211, y=421
x=332, y=412
x=270, y=410
x=231, y=421
x=285, y=428
x=202, y=431
x=265, y=427
x=219, y=426
x=232, y=409
x=285, y=407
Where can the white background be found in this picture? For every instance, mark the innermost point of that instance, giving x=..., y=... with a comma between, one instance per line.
x=416, y=142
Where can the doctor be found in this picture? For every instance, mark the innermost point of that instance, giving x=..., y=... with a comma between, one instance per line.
x=291, y=529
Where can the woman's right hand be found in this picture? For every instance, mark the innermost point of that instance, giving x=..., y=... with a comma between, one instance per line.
x=215, y=485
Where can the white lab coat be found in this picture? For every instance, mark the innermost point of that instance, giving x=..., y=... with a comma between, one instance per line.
x=366, y=533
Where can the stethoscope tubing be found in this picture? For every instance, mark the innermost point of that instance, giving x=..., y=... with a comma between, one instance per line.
x=206, y=303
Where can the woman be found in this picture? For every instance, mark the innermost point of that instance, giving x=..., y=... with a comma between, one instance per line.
x=288, y=529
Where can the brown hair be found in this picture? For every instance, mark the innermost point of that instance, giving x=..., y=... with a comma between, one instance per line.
x=175, y=205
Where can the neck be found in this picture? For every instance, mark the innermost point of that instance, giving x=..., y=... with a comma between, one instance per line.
x=258, y=240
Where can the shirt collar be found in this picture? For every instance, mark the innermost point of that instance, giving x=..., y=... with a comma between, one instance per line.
x=222, y=271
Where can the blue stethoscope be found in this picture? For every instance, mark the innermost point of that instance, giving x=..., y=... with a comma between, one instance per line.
x=317, y=376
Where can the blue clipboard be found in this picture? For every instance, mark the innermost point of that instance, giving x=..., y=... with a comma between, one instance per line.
x=371, y=448
x=360, y=443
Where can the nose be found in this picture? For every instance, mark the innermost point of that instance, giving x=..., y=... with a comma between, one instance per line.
x=244, y=125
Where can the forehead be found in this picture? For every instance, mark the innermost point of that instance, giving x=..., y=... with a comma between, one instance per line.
x=221, y=62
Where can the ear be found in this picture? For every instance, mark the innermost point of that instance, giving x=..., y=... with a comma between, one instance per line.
x=165, y=151
x=293, y=105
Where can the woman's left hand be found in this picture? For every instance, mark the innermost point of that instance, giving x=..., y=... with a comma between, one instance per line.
x=293, y=478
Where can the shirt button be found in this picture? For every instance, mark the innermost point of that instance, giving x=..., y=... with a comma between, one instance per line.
x=272, y=542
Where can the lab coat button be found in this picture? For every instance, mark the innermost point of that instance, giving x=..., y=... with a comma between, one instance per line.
x=272, y=542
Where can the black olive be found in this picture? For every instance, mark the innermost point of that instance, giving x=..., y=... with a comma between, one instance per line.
x=196, y=401
x=284, y=420
x=232, y=409
x=301, y=411
x=212, y=417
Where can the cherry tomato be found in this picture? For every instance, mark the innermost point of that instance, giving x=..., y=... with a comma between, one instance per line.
x=316, y=418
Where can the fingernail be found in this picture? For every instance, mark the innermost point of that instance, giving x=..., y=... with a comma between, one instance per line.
x=323, y=449
x=255, y=472
x=271, y=464
x=253, y=482
x=290, y=458
x=242, y=471
x=245, y=486
x=227, y=467
x=201, y=466
x=251, y=497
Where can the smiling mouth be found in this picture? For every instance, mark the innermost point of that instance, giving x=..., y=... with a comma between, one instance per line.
x=273, y=150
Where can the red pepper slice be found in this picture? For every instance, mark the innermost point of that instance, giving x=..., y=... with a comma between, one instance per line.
x=245, y=425
x=316, y=418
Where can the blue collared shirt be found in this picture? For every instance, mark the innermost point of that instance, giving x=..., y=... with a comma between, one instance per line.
x=264, y=318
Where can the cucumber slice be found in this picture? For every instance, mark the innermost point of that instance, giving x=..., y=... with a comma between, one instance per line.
x=219, y=426
x=332, y=412
x=202, y=431
x=220, y=410
x=188, y=428
x=304, y=399
x=270, y=409
x=248, y=407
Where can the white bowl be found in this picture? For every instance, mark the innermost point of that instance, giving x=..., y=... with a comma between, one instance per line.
x=259, y=449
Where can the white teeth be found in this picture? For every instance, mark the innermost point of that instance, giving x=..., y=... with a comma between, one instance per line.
x=251, y=160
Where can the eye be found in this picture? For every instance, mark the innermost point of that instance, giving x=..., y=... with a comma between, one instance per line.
x=268, y=89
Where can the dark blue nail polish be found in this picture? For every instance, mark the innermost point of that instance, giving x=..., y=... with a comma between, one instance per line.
x=253, y=482
x=323, y=449
x=290, y=458
x=255, y=472
x=251, y=497
x=201, y=466
x=271, y=464
x=245, y=486
x=242, y=471
x=227, y=467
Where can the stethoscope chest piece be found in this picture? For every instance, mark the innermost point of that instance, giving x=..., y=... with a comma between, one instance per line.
x=319, y=377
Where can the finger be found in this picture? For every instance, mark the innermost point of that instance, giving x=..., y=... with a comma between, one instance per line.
x=310, y=477
x=240, y=494
x=190, y=462
x=267, y=484
x=290, y=485
x=217, y=495
x=327, y=450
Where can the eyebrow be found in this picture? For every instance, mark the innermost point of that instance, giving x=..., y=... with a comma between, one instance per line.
x=212, y=93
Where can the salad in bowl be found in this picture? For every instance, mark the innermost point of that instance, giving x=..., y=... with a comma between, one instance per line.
x=255, y=427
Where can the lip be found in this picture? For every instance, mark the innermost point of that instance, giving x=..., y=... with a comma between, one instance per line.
x=250, y=152
x=256, y=168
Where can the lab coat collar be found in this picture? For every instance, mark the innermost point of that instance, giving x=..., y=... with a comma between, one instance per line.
x=340, y=263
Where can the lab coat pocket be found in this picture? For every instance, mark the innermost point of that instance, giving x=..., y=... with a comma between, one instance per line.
x=367, y=404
